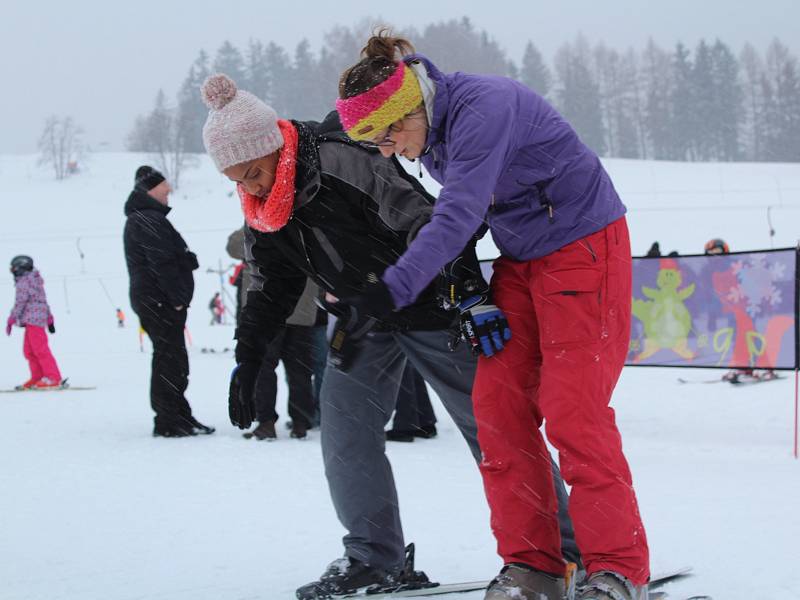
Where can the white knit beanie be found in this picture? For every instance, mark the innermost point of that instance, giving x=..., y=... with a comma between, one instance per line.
x=239, y=127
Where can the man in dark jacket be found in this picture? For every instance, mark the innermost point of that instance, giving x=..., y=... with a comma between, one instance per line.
x=160, y=266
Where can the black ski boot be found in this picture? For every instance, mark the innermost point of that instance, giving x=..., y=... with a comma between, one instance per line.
x=199, y=428
x=348, y=575
x=173, y=431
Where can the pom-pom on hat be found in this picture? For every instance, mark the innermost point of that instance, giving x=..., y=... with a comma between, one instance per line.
x=371, y=111
x=239, y=127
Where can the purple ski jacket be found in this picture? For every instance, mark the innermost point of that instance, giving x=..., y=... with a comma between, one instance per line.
x=506, y=158
x=30, y=306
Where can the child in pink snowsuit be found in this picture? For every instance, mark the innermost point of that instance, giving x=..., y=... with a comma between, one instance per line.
x=32, y=312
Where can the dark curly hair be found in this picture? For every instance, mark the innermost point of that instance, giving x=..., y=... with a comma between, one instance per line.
x=378, y=62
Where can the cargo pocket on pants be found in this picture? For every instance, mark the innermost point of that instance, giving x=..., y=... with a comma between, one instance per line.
x=571, y=310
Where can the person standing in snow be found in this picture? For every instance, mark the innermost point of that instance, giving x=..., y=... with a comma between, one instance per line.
x=32, y=312
x=414, y=416
x=506, y=158
x=322, y=207
x=160, y=266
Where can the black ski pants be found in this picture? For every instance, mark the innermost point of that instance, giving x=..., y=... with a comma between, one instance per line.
x=169, y=376
x=294, y=345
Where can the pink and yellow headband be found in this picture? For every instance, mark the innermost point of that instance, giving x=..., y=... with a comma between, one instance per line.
x=367, y=113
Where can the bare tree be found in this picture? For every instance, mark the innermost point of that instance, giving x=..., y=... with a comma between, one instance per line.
x=163, y=134
x=61, y=145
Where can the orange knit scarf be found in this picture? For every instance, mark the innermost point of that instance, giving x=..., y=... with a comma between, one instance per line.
x=272, y=213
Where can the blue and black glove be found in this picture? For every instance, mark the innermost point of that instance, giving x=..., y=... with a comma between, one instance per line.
x=483, y=326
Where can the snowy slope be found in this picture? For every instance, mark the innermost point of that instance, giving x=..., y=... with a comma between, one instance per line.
x=92, y=507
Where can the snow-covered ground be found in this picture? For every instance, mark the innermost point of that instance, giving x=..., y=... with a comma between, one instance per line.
x=93, y=507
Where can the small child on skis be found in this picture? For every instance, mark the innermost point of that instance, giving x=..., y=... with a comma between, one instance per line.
x=32, y=312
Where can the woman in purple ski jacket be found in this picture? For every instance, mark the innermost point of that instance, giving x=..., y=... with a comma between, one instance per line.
x=562, y=300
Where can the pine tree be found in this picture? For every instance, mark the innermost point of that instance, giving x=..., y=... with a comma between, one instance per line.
x=257, y=71
x=727, y=96
x=230, y=61
x=605, y=67
x=704, y=106
x=303, y=85
x=753, y=126
x=635, y=101
x=659, y=101
x=192, y=111
x=278, y=72
x=455, y=45
x=578, y=95
x=783, y=114
x=682, y=109
x=534, y=72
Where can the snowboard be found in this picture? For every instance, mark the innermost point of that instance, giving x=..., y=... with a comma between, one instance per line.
x=656, y=582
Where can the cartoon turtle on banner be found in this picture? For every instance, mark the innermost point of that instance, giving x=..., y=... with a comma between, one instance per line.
x=667, y=322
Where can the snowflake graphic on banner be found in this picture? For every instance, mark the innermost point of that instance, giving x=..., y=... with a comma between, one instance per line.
x=757, y=283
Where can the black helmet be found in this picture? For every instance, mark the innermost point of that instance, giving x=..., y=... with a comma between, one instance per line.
x=717, y=246
x=21, y=264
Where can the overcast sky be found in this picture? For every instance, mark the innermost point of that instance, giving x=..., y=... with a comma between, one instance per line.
x=103, y=61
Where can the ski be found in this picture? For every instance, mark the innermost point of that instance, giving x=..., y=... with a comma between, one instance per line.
x=753, y=380
x=206, y=350
x=55, y=389
x=665, y=596
x=64, y=387
x=718, y=380
x=436, y=590
x=656, y=582
x=749, y=381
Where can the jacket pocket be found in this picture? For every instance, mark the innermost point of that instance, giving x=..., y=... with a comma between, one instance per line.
x=571, y=310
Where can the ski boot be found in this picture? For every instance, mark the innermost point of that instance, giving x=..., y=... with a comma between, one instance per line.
x=264, y=431
x=199, y=428
x=347, y=576
x=522, y=582
x=28, y=385
x=45, y=383
x=608, y=585
x=299, y=431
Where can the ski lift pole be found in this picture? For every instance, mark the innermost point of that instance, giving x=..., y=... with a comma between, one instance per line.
x=80, y=252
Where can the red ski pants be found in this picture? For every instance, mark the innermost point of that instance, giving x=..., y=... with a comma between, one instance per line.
x=37, y=352
x=569, y=314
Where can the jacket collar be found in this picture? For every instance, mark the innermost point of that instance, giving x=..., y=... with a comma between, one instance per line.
x=437, y=114
x=139, y=200
x=307, y=179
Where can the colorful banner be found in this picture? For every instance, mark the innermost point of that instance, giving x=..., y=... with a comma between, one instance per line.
x=728, y=310
x=732, y=310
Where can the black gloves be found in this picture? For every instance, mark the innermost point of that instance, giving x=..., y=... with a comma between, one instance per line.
x=241, y=394
x=51, y=327
x=375, y=301
x=350, y=328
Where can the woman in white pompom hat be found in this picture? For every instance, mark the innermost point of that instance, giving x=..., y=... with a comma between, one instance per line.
x=319, y=205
